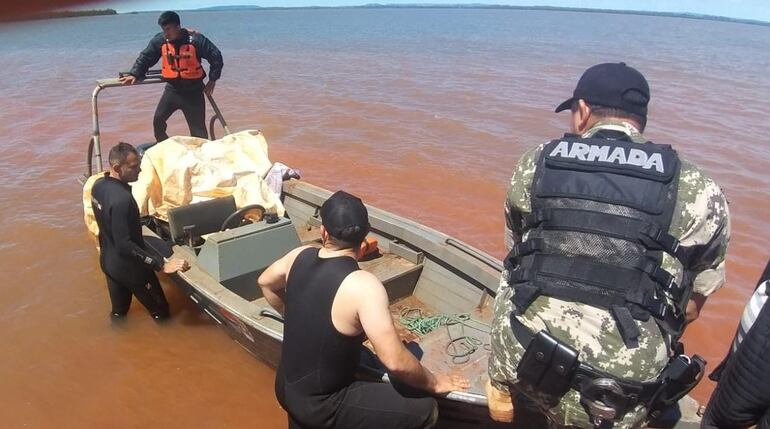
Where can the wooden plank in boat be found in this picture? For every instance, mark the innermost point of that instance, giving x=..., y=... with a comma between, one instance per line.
x=405, y=252
x=387, y=266
x=397, y=274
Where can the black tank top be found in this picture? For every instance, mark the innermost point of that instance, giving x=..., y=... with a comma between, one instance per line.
x=317, y=360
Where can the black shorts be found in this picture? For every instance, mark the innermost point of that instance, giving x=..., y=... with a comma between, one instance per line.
x=360, y=405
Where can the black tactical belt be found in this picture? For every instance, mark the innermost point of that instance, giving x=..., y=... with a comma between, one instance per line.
x=634, y=392
x=604, y=396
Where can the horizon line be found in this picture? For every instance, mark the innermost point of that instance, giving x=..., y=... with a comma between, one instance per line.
x=65, y=13
x=687, y=15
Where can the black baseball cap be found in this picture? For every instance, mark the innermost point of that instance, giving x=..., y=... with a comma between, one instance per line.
x=345, y=217
x=612, y=85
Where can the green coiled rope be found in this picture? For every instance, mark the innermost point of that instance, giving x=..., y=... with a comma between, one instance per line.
x=413, y=320
x=460, y=348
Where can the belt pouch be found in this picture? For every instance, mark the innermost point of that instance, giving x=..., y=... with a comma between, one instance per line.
x=558, y=377
x=536, y=359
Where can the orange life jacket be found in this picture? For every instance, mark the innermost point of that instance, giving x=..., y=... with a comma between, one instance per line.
x=185, y=64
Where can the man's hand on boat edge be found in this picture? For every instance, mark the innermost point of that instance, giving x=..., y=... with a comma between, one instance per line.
x=174, y=265
x=450, y=383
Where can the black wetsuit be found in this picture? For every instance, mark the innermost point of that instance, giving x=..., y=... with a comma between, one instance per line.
x=184, y=94
x=742, y=397
x=128, y=265
x=315, y=382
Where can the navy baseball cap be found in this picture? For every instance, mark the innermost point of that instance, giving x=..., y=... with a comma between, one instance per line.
x=612, y=85
x=345, y=217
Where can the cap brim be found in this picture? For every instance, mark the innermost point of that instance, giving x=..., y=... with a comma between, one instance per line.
x=567, y=104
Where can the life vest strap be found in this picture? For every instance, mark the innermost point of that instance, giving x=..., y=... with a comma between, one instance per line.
x=584, y=280
x=626, y=325
x=649, y=234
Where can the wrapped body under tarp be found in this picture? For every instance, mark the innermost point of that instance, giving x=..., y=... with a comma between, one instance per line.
x=183, y=170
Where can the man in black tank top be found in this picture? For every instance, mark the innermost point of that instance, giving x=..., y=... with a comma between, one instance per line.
x=329, y=306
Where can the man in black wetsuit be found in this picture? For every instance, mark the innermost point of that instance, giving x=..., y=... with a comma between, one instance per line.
x=123, y=256
x=180, y=52
x=329, y=306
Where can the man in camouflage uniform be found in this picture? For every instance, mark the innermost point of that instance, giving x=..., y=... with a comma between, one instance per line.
x=700, y=218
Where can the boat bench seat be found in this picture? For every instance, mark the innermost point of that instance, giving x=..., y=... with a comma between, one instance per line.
x=397, y=274
x=199, y=218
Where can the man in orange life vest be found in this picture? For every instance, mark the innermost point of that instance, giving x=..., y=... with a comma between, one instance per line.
x=180, y=52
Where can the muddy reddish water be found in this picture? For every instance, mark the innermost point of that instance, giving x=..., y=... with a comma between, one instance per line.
x=420, y=112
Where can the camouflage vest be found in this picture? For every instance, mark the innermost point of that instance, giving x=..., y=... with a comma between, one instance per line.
x=601, y=211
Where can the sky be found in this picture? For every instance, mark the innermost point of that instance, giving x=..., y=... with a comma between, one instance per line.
x=747, y=9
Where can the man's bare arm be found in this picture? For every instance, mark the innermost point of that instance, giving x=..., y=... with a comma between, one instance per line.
x=273, y=280
x=377, y=323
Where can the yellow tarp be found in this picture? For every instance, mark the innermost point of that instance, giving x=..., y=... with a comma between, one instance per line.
x=184, y=170
x=88, y=212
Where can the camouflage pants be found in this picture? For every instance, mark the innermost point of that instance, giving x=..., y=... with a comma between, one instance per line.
x=592, y=332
